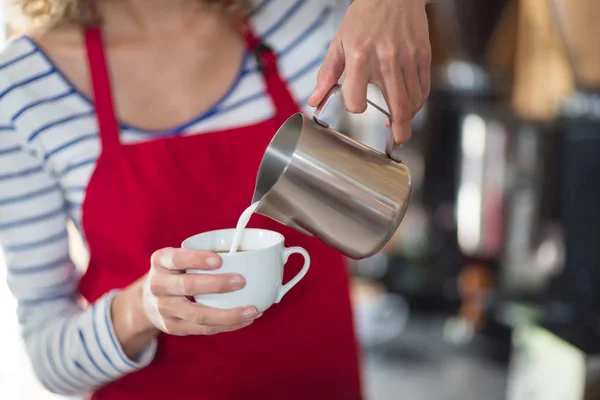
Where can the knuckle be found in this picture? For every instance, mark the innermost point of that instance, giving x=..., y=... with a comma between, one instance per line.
x=186, y=285
x=389, y=53
x=178, y=258
x=155, y=257
x=359, y=56
x=198, y=318
x=423, y=55
x=163, y=258
x=409, y=55
x=156, y=287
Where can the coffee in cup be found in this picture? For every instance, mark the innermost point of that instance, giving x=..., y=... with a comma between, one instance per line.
x=218, y=251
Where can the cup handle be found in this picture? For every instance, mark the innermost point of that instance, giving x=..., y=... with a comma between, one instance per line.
x=286, y=254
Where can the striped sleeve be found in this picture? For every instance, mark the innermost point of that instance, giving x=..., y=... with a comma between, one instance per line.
x=73, y=349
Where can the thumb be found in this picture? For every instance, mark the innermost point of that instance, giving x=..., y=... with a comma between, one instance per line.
x=330, y=72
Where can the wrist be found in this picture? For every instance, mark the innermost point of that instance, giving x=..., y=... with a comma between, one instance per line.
x=133, y=328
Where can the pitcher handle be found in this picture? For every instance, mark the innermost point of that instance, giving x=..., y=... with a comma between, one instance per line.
x=336, y=90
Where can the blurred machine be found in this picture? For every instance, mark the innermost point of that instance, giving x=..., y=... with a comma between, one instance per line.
x=503, y=230
x=559, y=358
x=570, y=324
x=424, y=260
x=468, y=129
x=427, y=266
x=446, y=256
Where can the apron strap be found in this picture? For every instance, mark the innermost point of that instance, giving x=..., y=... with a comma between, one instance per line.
x=101, y=88
x=276, y=86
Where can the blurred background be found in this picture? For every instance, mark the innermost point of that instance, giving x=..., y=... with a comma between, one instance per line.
x=487, y=291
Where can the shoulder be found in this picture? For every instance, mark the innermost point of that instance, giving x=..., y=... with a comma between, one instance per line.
x=283, y=21
x=23, y=61
x=16, y=57
x=18, y=64
x=27, y=76
x=34, y=95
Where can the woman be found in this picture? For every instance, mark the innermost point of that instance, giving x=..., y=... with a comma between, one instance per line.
x=148, y=128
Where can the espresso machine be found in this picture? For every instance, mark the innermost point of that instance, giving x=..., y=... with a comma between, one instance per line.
x=423, y=261
x=497, y=173
x=466, y=121
x=558, y=358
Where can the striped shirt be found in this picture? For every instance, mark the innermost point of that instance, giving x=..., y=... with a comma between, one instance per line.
x=49, y=145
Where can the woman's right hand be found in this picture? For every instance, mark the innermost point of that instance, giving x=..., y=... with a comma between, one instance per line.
x=167, y=287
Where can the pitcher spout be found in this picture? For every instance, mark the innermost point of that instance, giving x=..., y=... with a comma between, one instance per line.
x=281, y=213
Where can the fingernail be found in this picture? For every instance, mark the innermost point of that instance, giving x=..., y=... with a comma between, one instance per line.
x=213, y=262
x=236, y=282
x=249, y=313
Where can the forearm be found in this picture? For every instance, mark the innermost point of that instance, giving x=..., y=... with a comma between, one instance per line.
x=75, y=351
x=72, y=350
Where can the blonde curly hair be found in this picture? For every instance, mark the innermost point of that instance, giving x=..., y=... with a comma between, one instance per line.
x=47, y=14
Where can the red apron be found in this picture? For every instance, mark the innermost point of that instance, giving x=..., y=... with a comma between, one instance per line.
x=150, y=195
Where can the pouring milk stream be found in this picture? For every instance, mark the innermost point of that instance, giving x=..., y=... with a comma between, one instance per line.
x=241, y=225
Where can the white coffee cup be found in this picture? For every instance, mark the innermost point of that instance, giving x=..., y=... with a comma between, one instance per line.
x=261, y=263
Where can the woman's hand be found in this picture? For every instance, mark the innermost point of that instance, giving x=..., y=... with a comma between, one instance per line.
x=385, y=42
x=158, y=301
x=166, y=288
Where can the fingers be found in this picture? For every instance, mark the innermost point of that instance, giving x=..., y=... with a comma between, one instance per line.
x=354, y=87
x=399, y=104
x=183, y=259
x=166, y=277
x=181, y=308
x=413, y=87
x=194, y=284
x=424, y=72
x=330, y=72
x=185, y=328
x=167, y=287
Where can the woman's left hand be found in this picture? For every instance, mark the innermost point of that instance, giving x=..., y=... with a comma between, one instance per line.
x=385, y=42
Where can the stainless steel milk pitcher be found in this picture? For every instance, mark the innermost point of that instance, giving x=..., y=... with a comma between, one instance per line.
x=322, y=183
